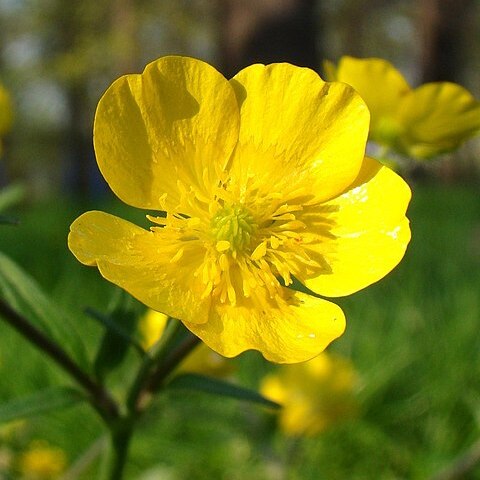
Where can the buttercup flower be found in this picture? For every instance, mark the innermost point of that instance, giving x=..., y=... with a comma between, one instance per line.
x=261, y=179
x=314, y=395
x=421, y=123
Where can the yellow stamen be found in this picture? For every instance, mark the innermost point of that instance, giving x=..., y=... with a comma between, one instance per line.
x=223, y=245
x=259, y=252
x=177, y=256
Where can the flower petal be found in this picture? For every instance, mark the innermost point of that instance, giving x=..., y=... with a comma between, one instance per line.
x=437, y=118
x=294, y=125
x=134, y=259
x=292, y=334
x=378, y=82
x=176, y=122
x=369, y=232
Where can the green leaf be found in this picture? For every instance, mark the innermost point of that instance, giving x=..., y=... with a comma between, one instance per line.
x=41, y=402
x=201, y=383
x=11, y=195
x=121, y=324
x=115, y=329
x=23, y=294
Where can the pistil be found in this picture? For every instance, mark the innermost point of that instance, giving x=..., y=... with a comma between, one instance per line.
x=232, y=228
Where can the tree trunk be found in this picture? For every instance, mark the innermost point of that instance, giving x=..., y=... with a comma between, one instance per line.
x=266, y=31
x=445, y=26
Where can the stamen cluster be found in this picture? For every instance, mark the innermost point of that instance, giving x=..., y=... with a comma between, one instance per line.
x=232, y=227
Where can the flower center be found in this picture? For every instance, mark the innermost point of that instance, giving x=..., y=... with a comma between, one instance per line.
x=232, y=227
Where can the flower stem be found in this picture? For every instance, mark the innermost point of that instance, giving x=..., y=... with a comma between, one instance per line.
x=121, y=433
x=155, y=356
x=99, y=397
x=176, y=343
x=164, y=369
x=161, y=359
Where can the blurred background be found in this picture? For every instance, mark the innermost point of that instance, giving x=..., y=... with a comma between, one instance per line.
x=413, y=339
x=58, y=57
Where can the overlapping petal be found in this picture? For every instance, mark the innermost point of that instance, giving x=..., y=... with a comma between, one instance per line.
x=369, y=232
x=380, y=84
x=438, y=117
x=176, y=122
x=135, y=259
x=295, y=124
x=294, y=333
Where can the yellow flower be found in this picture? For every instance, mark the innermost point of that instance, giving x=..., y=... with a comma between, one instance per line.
x=421, y=123
x=42, y=462
x=6, y=113
x=262, y=178
x=314, y=395
x=201, y=360
x=151, y=327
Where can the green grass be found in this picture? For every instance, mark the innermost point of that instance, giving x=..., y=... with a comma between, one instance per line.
x=414, y=338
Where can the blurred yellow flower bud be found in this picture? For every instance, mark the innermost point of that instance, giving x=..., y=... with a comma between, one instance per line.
x=205, y=361
x=151, y=328
x=314, y=395
x=6, y=111
x=42, y=462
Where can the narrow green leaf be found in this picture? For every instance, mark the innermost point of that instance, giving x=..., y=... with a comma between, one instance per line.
x=24, y=295
x=201, y=383
x=110, y=325
x=40, y=402
x=7, y=220
x=120, y=323
x=11, y=195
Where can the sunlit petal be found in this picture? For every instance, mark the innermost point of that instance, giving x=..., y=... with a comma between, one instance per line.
x=176, y=122
x=295, y=333
x=368, y=232
x=135, y=260
x=295, y=125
